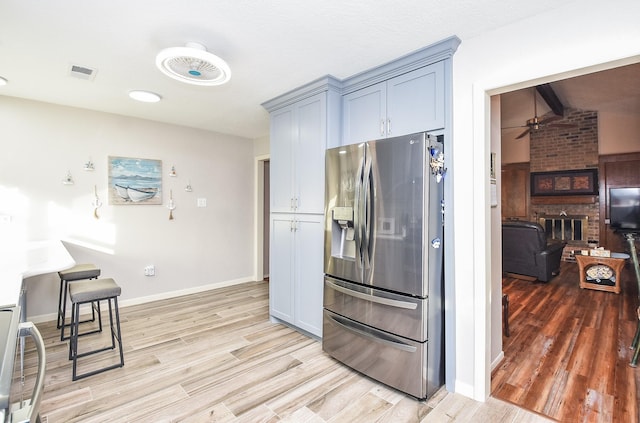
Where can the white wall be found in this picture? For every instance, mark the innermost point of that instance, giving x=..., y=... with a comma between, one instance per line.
x=201, y=247
x=261, y=146
x=555, y=44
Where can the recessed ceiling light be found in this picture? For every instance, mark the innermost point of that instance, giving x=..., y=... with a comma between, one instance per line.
x=145, y=96
x=3, y=81
x=193, y=64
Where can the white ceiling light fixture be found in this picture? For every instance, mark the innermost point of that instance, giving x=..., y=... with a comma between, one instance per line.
x=3, y=81
x=144, y=96
x=193, y=64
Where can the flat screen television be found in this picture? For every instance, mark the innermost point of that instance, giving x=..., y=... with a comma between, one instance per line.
x=624, y=208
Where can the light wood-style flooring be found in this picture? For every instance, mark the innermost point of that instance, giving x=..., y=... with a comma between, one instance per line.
x=568, y=353
x=215, y=357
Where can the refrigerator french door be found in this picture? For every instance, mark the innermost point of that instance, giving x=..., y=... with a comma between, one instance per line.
x=383, y=260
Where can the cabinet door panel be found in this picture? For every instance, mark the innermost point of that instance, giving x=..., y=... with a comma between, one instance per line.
x=281, y=268
x=309, y=154
x=363, y=114
x=415, y=101
x=309, y=236
x=515, y=191
x=281, y=168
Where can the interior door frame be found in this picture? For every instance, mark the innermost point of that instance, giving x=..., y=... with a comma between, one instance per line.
x=259, y=217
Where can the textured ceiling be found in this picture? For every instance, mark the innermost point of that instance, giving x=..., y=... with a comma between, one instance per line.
x=271, y=46
x=615, y=91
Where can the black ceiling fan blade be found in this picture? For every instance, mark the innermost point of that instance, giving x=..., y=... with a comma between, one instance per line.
x=523, y=134
x=547, y=119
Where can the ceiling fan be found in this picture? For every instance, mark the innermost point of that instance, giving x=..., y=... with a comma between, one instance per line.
x=548, y=120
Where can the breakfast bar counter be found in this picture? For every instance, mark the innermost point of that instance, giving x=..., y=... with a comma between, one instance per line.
x=24, y=261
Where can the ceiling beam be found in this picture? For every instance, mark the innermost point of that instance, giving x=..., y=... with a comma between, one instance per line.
x=551, y=99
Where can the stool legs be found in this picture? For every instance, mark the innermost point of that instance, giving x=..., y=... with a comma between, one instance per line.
x=115, y=336
x=63, y=288
x=505, y=314
x=635, y=345
x=62, y=309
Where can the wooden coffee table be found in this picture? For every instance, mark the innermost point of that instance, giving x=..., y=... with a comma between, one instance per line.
x=601, y=273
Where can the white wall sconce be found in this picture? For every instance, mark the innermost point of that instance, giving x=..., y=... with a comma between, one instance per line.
x=88, y=166
x=96, y=203
x=171, y=206
x=173, y=173
x=68, y=180
x=188, y=187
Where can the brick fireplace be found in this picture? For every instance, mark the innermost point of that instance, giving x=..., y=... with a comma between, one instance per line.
x=565, y=227
x=555, y=149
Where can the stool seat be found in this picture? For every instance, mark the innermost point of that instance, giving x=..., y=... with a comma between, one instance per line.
x=80, y=271
x=90, y=292
x=93, y=290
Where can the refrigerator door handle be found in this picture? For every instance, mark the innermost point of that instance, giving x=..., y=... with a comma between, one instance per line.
x=343, y=323
x=357, y=214
x=30, y=409
x=372, y=298
x=369, y=227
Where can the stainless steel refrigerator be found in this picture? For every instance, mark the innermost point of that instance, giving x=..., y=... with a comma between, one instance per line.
x=383, y=286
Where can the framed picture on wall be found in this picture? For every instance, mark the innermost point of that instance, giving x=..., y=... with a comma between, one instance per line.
x=134, y=181
x=565, y=182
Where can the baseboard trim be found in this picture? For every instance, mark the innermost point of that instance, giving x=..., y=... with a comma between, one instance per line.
x=522, y=277
x=496, y=362
x=465, y=389
x=156, y=297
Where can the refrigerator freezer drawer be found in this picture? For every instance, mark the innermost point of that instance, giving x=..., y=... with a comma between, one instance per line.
x=394, y=361
x=399, y=314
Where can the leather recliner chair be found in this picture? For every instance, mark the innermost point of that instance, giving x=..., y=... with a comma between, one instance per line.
x=526, y=251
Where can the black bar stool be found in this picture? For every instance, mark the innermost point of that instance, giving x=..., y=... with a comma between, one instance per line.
x=76, y=273
x=85, y=292
x=635, y=344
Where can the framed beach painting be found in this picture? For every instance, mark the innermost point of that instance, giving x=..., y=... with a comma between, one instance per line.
x=135, y=181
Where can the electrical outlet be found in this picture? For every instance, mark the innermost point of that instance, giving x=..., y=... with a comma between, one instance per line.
x=150, y=270
x=202, y=202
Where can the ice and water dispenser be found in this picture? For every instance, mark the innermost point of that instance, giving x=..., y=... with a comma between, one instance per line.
x=343, y=243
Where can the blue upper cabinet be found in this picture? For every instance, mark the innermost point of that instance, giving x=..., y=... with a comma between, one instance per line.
x=364, y=114
x=304, y=123
x=416, y=101
x=410, y=94
x=411, y=102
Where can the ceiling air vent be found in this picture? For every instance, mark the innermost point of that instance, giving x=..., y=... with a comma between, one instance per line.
x=82, y=72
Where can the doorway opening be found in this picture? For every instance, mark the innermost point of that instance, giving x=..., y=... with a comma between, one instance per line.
x=515, y=154
x=262, y=218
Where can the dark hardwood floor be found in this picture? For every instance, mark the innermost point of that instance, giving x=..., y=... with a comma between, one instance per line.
x=568, y=354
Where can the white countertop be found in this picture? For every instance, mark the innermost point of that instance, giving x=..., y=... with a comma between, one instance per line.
x=30, y=259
